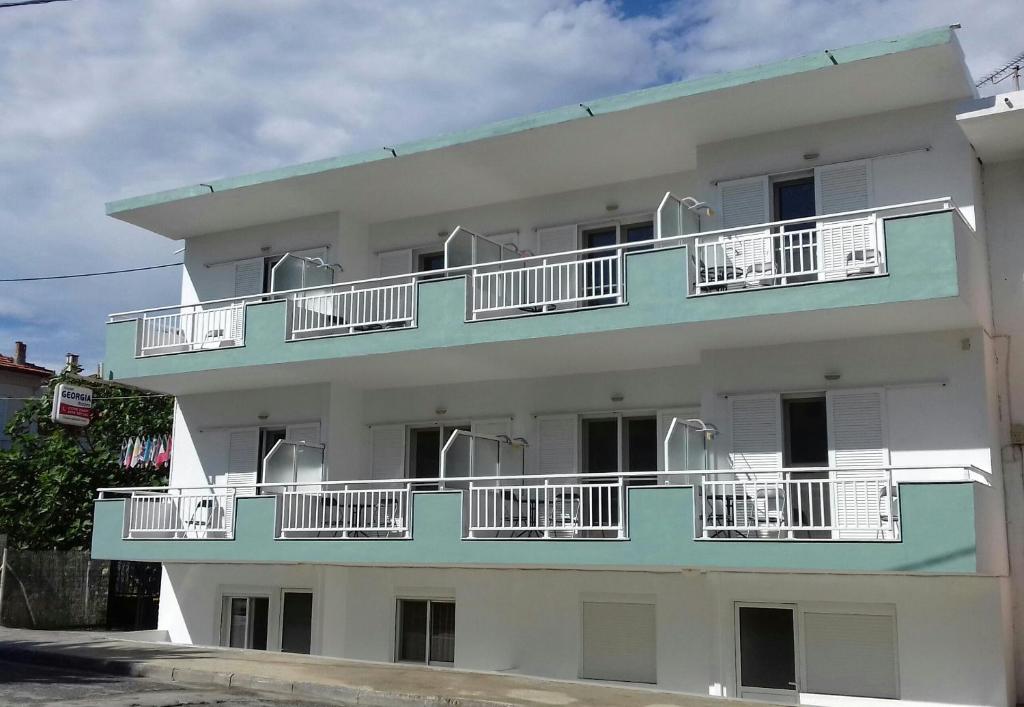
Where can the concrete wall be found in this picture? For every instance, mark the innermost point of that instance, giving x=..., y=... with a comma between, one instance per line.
x=949, y=629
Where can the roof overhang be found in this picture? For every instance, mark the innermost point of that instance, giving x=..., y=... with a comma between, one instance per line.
x=995, y=126
x=645, y=133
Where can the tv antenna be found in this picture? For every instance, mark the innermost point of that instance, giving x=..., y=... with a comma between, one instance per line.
x=1011, y=69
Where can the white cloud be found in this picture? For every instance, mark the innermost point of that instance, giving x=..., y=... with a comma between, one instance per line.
x=106, y=99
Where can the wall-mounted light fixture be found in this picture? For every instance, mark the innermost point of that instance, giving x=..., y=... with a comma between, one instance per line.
x=618, y=397
x=611, y=206
x=441, y=410
x=812, y=155
x=262, y=416
x=833, y=376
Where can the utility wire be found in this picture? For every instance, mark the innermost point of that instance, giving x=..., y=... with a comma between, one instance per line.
x=85, y=274
x=28, y=2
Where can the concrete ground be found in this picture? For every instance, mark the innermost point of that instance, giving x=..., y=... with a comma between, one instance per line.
x=318, y=678
x=32, y=685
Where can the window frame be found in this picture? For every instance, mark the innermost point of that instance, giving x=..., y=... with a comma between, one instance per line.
x=428, y=633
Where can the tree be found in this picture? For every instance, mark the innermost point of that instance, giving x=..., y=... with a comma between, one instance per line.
x=49, y=476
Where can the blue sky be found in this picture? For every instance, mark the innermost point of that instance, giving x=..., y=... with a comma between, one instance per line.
x=104, y=99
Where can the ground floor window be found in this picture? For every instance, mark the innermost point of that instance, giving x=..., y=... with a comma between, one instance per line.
x=783, y=649
x=244, y=621
x=426, y=631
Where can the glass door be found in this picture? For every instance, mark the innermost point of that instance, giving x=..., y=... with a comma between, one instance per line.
x=796, y=252
x=426, y=631
x=766, y=652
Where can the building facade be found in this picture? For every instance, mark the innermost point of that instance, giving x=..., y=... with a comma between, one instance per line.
x=707, y=387
x=19, y=380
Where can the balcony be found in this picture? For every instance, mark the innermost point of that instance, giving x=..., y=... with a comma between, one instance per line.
x=918, y=264
x=822, y=519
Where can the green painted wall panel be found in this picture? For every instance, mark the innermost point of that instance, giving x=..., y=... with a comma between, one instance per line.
x=921, y=252
x=938, y=537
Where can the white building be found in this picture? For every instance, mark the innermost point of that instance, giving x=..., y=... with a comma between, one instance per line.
x=708, y=386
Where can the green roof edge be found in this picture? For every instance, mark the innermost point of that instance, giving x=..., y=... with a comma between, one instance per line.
x=612, y=104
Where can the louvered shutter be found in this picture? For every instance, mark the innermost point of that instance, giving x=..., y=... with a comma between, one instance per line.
x=306, y=433
x=845, y=186
x=555, y=283
x=388, y=452
x=756, y=432
x=249, y=277
x=619, y=642
x=856, y=430
x=842, y=187
x=557, y=438
x=851, y=654
x=243, y=465
x=395, y=262
x=744, y=202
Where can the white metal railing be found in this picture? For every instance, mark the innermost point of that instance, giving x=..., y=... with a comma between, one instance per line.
x=191, y=328
x=772, y=255
x=824, y=503
x=179, y=513
x=844, y=504
x=547, y=283
x=345, y=512
x=558, y=280
x=547, y=509
x=348, y=309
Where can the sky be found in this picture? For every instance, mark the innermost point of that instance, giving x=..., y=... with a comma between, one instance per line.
x=106, y=99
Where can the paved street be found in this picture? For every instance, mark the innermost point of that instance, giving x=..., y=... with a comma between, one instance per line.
x=26, y=684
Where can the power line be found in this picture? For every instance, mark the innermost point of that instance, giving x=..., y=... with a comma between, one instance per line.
x=28, y=2
x=86, y=274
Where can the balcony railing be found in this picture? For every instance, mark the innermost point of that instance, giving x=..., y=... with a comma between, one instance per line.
x=351, y=308
x=191, y=328
x=179, y=513
x=789, y=504
x=782, y=505
x=782, y=253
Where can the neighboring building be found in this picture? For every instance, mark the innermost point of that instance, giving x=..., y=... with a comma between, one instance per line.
x=762, y=444
x=18, y=379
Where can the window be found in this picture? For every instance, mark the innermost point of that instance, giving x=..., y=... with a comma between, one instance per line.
x=620, y=443
x=425, y=445
x=244, y=622
x=805, y=427
x=425, y=262
x=426, y=631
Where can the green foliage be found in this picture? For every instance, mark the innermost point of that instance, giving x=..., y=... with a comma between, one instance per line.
x=49, y=476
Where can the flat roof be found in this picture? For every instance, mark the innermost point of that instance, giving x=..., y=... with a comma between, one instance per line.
x=489, y=162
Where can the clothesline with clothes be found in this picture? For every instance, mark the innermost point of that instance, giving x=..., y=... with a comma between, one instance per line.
x=152, y=451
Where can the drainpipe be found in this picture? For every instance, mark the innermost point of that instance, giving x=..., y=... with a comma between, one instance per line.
x=3, y=576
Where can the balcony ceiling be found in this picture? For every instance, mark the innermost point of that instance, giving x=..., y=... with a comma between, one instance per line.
x=995, y=126
x=647, y=133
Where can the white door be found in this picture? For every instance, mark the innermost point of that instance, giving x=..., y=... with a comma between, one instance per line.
x=756, y=432
x=558, y=441
x=243, y=466
x=619, y=642
x=851, y=654
x=388, y=453
x=744, y=202
x=557, y=283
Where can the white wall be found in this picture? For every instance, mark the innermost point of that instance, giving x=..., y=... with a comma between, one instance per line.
x=944, y=171
x=951, y=630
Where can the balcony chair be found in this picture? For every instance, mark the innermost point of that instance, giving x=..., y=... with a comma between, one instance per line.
x=564, y=515
x=862, y=261
x=888, y=504
x=770, y=512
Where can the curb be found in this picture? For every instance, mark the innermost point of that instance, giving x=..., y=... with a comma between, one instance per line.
x=364, y=697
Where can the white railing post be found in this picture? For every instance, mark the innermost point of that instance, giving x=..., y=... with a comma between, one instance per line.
x=622, y=491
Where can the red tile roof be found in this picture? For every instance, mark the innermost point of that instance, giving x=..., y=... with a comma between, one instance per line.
x=7, y=363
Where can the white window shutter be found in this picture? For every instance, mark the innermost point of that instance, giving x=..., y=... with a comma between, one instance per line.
x=243, y=464
x=844, y=186
x=249, y=277
x=395, y=262
x=744, y=202
x=388, y=452
x=756, y=431
x=557, y=239
x=306, y=433
x=558, y=440
x=857, y=438
x=851, y=654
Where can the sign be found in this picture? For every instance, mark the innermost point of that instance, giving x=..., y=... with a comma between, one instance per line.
x=72, y=405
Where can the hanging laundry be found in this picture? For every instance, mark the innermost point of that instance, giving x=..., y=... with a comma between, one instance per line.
x=146, y=452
